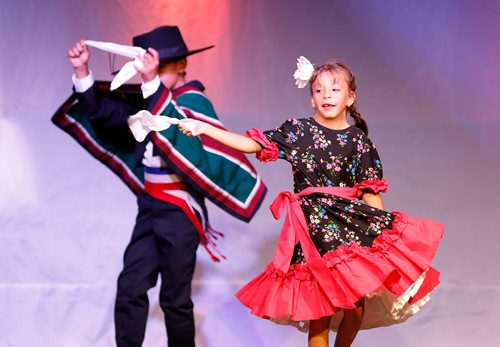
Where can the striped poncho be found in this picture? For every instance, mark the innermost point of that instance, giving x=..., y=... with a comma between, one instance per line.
x=216, y=172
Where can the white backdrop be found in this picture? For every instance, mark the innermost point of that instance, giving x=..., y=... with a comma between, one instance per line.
x=428, y=76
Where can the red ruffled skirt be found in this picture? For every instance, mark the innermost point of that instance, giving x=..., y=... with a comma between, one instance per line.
x=394, y=275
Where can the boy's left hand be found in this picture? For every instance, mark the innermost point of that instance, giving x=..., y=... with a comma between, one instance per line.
x=150, y=61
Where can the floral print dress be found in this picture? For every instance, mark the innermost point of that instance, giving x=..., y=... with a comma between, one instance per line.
x=325, y=157
x=365, y=252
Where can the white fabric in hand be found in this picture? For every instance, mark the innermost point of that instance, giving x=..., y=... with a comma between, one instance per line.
x=143, y=122
x=128, y=70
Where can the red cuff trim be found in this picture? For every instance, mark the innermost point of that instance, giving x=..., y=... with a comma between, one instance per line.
x=270, y=150
x=372, y=186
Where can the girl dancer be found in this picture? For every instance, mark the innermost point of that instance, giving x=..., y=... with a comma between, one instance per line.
x=340, y=264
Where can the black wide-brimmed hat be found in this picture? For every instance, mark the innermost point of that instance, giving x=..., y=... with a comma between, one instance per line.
x=167, y=40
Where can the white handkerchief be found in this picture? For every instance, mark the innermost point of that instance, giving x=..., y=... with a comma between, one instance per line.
x=123, y=50
x=143, y=122
x=128, y=70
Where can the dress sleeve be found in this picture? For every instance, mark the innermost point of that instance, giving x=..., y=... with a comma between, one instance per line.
x=277, y=142
x=369, y=174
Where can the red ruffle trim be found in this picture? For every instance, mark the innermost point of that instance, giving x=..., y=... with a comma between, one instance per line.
x=269, y=151
x=397, y=258
x=374, y=186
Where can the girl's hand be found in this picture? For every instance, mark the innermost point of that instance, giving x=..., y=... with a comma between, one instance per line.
x=150, y=62
x=193, y=127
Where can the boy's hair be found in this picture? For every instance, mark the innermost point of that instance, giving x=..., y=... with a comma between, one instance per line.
x=339, y=68
x=163, y=63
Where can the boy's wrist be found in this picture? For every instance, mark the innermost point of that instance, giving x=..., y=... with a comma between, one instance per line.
x=148, y=77
x=81, y=71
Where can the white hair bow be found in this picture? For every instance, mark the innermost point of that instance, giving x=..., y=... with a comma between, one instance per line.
x=128, y=70
x=304, y=72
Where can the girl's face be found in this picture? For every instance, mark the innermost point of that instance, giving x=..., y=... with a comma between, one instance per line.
x=330, y=98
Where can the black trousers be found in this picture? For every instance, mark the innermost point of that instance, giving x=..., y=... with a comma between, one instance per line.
x=164, y=243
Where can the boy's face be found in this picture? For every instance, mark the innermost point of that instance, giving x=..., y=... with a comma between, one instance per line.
x=172, y=73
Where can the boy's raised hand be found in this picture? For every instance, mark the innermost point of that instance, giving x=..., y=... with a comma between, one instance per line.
x=79, y=56
x=150, y=62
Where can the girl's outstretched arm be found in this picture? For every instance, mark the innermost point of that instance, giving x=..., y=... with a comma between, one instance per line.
x=235, y=141
x=373, y=200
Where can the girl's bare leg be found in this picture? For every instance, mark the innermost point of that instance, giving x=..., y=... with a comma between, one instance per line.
x=350, y=324
x=319, y=330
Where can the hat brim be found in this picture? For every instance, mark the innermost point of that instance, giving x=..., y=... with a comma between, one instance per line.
x=166, y=55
